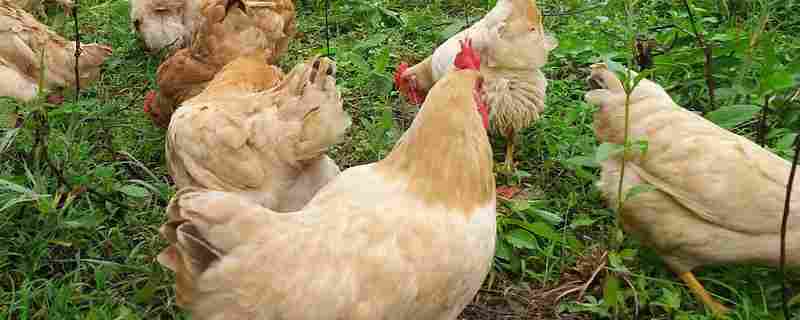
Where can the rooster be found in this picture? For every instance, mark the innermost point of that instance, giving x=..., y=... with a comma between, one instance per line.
x=230, y=29
x=718, y=196
x=513, y=45
x=23, y=40
x=409, y=237
x=268, y=145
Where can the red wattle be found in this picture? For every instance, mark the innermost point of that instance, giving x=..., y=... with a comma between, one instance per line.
x=148, y=100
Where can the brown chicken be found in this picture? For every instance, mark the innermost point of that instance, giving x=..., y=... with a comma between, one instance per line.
x=171, y=24
x=231, y=29
x=22, y=41
x=409, y=237
x=268, y=145
x=513, y=45
x=718, y=196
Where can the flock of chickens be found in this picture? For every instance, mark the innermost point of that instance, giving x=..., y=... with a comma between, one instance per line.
x=264, y=225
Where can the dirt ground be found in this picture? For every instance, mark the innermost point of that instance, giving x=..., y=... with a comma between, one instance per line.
x=507, y=300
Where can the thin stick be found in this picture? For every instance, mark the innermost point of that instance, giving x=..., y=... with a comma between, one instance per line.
x=466, y=14
x=327, y=29
x=77, y=51
x=707, y=51
x=762, y=125
x=784, y=222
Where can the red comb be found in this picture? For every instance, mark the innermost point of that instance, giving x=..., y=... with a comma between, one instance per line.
x=408, y=88
x=467, y=58
x=148, y=100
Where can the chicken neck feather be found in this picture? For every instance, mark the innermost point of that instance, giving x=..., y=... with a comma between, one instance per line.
x=445, y=147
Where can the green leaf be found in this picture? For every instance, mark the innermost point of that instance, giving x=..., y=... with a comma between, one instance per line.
x=642, y=145
x=582, y=221
x=134, y=191
x=503, y=250
x=382, y=60
x=786, y=141
x=638, y=189
x=145, y=294
x=731, y=116
x=519, y=238
x=549, y=217
x=606, y=151
x=611, y=291
x=520, y=205
x=582, y=161
x=778, y=81
x=641, y=76
x=543, y=230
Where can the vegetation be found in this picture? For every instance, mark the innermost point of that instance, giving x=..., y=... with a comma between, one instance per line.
x=83, y=185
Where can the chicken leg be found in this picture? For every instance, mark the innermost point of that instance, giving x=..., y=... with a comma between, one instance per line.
x=697, y=289
x=510, y=142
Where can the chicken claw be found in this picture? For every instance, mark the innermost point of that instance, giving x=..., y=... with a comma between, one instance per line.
x=717, y=308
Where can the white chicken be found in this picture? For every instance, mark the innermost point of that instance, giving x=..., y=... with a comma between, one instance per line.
x=244, y=134
x=23, y=41
x=718, y=196
x=409, y=237
x=514, y=47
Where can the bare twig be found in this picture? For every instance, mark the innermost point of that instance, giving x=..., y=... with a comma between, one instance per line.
x=762, y=124
x=77, y=50
x=784, y=222
x=594, y=275
x=707, y=51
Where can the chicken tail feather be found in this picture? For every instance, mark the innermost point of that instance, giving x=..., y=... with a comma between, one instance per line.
x=193, y=248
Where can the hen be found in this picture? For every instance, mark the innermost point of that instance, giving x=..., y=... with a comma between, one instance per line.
x=165, y=24
x=23, y=39
x=32, y=6
x=718, y=196
x=171, y=24
x=230, y=29
x=513, y=45
x=409, y=237
x=266, y=145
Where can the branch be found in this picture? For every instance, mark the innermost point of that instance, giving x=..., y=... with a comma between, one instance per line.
x=707, y=51
x=77, y=51
x=784, y=222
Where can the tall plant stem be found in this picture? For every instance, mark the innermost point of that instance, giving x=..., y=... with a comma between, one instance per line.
x=784, y=223
x=762, y=124
x=620, y=196
x=707, y=52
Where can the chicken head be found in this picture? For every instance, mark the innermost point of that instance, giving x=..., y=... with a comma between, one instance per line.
x=164, y=24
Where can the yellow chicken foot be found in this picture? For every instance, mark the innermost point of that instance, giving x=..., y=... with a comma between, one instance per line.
x=716, y=307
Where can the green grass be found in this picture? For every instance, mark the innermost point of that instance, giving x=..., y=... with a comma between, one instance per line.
x=88, y=258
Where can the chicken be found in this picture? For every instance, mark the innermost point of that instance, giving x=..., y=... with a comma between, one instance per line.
x=32, y=6
x=268, y=145
x=171, y=24
x=718, y=196
x=230, y=29
x=23, y=39
x=512, y=41
x=411, y=236
x=165, y=24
